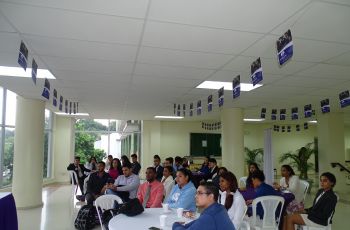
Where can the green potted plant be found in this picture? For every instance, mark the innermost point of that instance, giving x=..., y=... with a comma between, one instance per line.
x=254, y=156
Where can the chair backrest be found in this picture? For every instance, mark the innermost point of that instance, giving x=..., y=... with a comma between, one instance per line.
x=106, y=202
x=74, y=178
x=242, y=181
x=269, y=204
x=242, y=218
x=304, y=186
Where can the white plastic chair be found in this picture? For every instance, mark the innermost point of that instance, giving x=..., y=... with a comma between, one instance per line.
x=242, y=182
x=328, y=227
x=304, y=186
x=106, y=202
x=269, y=205
x=85, y=183
x=74, y=178
x=244, y=224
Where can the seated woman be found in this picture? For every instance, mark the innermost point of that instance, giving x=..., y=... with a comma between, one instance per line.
x=322, y=209
x=253, y=167
x=290, y=182
x=205, y=168
x=216, y=179
x=167, y=180
x=114, y=170
x=183, y=193
x=92, y=164
x=231, y=198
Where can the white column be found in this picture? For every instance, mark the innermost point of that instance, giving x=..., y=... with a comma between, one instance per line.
x=150, y=143
x=64, y=140
x=232, y=140
x=268, y=157
x=331, y=146
x=28, y=153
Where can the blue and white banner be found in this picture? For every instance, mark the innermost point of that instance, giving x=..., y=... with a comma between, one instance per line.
x=344, y=99
x=308, y=110
x=297, y=127
x=274, y=114
x=236, y=87
x=66, y=106
x=325, y=108
x=23, y=56
x=191, y=109
x=61, y=103
x=306, y=126
x=183, y=110
x=284, y=47
x=46, y=90
x=74, y=108
x=199, y=107
x=70, y=107
x=256, y=72
x=210, y=103
x=283, y=129
x=34, y=71
x=263, y=113
x=77, y=107
x=54, y=100
x=295, y=114
x=282, y=114
x=288, y=128
x=174, y=109
x=178, y=112
x=221, y=96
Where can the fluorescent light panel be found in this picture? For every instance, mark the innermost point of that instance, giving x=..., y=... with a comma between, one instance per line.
x=19, y=72
x=313, y=122
x=226, y=85
x=76, y=114
x=251, y=119
x=168, y=117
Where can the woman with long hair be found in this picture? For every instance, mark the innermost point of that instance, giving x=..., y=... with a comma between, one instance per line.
x=253, y=167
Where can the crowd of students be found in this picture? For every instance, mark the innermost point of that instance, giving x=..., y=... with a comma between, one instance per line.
x=218, y=196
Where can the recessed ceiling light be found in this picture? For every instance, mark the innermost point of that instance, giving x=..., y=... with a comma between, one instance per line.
x=19, y=72
x=226, y=85
x=76, y=114
x=168, y=117
x=251, y=119
x=313, y=122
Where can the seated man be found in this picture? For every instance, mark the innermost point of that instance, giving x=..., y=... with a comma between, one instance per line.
x=136, y=167
x=80, y=170
x=126, y=185
x=151, y=192
x=96, y=182
x=214, y=216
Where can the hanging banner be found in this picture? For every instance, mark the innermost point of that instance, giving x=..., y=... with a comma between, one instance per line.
x=256, y=72
x=221, y=96
x=284, y=47
x=344, y=99
x=183, y=110
x=297, y=127
x=23, y=56
x=325, y=108
x=54, y=100
x=306, y=126
x=282, y=114
x=174, y=109
x=199, y=107
x=295, y=115
x=210, y=103
x=46, y=90
x=236, y=87
x=288, y=128
x=66, y=106
x=191, y=109
x=77, y=107
x=263, y=113
x=70, y=107
x=274, y=114
x=308, y=110
x=283, y=129
x=178, y=112
x=34, y=71
x=61, y=103
x=74, y=108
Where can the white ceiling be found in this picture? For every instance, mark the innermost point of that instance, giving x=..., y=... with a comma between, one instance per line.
x=133, y=59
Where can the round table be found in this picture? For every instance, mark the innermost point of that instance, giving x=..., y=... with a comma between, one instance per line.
x=149, y=218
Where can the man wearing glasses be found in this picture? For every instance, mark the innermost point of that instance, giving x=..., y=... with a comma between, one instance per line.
x=214, y=215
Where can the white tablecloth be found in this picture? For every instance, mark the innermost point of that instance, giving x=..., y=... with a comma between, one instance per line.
x=149, y=218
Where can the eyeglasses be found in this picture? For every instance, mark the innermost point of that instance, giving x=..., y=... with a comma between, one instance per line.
x=201, y=193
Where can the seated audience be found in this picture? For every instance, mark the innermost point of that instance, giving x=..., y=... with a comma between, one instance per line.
x=114, y=170
x=126, y=185
x=322, y=209
x=108, y=162
x=213, y=168
x=290, y=182
x=214, y=215
x=205, y=168
x=92, y=164
x=168, y=162
x=178, y=163
x=253, y=167
x=96, y=182
x=125, y=160
x=216, y=179
x=185, y=163
x=79, y=169
x=167, y=180
x=136, y=167
x=261, y=189
x=231, y=198
x=150, y=193
x=182, y=194
x=158, y=167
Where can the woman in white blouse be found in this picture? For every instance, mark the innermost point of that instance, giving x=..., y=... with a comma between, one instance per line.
x=231, y=198
x=291, y=183
x=167, y=180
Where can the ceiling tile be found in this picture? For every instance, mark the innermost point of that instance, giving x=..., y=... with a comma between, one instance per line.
x=327, y=71
x=343, y=59
x=5, y=26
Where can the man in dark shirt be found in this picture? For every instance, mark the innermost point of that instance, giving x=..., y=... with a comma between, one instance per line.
x=136, y=167
x=96, y=182
x=158, y=167
x=80, y=170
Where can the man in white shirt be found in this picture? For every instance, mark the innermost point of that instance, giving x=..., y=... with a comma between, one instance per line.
x=126, y=185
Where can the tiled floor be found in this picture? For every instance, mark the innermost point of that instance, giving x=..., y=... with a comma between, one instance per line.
x=60, y=210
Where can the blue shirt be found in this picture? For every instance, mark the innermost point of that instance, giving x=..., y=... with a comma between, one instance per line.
x=214, y=217
x=264, y=190
x=183, y=197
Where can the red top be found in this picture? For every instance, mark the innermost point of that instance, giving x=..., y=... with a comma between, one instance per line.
x=113, y=173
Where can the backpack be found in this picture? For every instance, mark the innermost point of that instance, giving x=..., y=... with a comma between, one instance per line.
x=131, y=208
x=86, y=218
